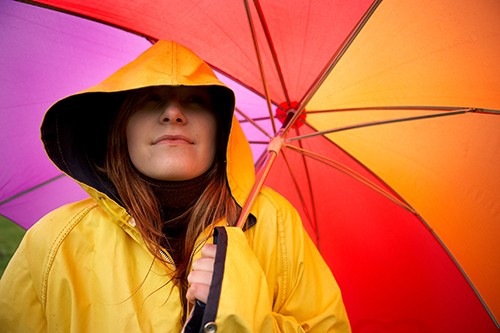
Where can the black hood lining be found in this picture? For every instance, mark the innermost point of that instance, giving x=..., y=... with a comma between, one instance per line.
x=75, y=133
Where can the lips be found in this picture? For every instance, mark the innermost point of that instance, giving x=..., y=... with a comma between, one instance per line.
x=173, y=139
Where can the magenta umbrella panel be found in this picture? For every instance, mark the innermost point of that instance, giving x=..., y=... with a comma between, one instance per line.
x=48, y=55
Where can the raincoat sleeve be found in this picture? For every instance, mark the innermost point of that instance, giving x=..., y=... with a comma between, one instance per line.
x=279, y=284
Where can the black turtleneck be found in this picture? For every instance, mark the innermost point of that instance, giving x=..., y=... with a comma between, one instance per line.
x=176, y=199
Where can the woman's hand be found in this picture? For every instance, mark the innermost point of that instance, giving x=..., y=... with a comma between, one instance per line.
x=200, y=277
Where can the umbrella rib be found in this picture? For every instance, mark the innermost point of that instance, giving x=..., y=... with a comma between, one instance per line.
x=334, y=60
x=492, y=111
x=31, y=189
x=253, y=119
x=382, y=122
x=407, y=108
x=261, y=67
x=340, y=53
x=354, y=175
x=266, y=162
x=308, y=177
x=255, y=142
x=460, y=268
x=253, y=122
x=312, y=219
x=393, y=108
x=274, y=54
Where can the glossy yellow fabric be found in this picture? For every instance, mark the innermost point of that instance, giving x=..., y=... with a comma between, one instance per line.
x=85, y=268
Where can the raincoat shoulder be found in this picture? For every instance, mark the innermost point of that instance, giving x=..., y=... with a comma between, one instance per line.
x=83, y=268
x=23, y=287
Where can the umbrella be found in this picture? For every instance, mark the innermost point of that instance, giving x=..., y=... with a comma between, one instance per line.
x=400, y=191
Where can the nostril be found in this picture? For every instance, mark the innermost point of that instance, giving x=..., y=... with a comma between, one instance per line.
x=178, y=119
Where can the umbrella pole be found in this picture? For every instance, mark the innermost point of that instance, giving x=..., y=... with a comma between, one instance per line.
x=273, y=150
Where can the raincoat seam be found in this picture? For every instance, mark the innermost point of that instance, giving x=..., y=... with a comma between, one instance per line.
x=55, y=247
x=122, y=222
x=283, y=253
x=110, y=211
x=121, y=219
x=283, y=261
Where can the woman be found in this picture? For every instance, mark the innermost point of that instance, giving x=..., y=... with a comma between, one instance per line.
x=167, y=171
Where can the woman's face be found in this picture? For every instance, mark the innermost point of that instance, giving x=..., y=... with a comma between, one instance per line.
x=172, y=133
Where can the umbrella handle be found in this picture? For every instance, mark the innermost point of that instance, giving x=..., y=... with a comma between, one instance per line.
x=273, y=150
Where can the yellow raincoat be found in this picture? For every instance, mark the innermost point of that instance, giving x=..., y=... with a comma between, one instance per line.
x=85, y=268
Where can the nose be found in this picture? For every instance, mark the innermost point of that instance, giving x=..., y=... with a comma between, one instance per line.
x=173, y=113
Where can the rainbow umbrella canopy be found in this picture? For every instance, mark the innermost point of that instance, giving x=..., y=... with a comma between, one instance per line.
x=387, y=113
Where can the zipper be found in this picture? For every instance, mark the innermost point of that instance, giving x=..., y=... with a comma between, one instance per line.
x=169, y=260
x=189, y=307
x=196, y=246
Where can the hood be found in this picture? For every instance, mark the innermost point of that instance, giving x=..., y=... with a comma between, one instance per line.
x=75, y=129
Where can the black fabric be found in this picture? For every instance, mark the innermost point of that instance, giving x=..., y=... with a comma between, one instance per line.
x=176, y=196
x=220, y=238
x=195, y=320
x=75, y=132
x=251, y=221
x=207, y=313
x=176, y=199
x=75, y=135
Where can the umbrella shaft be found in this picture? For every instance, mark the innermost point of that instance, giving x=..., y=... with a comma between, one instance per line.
x=273, y=151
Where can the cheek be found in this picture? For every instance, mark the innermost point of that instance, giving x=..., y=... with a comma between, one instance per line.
x=132, y=135
x=212, y=135
x=210, y=124
x=207, y=135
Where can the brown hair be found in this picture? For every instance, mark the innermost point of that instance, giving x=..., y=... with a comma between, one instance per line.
x=138, y=198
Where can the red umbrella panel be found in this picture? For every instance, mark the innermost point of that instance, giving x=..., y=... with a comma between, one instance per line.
x=392, y=154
